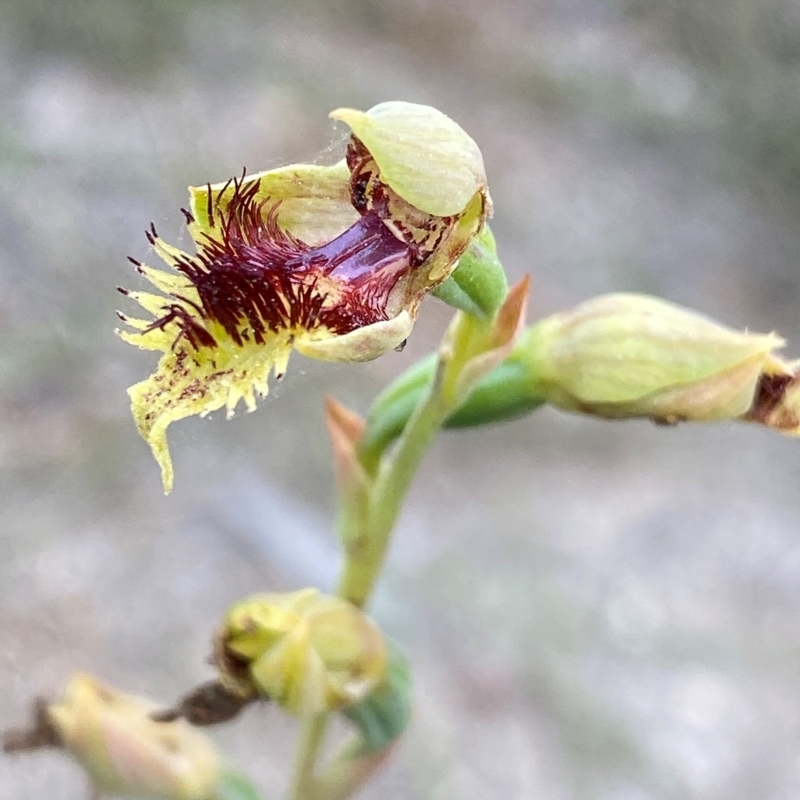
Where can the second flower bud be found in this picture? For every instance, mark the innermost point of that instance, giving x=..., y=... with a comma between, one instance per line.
x=307, y=651
x=629, y=355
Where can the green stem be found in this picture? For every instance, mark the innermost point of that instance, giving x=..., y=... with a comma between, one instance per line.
x=365, y=530
x=366, y=540
x=367, y=518
x=312, y=734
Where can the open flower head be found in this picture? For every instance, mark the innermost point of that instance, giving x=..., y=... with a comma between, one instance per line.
x=332, y=261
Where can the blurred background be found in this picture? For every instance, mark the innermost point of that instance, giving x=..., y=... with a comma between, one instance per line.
x=593, y=610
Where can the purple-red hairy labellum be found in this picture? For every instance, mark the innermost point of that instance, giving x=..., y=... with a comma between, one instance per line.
x=255, y=277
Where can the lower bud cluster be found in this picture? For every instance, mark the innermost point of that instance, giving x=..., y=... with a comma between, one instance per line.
x=307, y=651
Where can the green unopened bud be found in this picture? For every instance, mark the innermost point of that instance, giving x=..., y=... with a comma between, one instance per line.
x=125, y=751
x=307, y=651
x=617, y=356
x=628, y=355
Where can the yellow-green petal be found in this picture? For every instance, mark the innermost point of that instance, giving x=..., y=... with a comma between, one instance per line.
x=314, y=201
x=189, y=382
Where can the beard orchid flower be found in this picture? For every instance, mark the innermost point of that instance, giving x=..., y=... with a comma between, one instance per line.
x=332, y=261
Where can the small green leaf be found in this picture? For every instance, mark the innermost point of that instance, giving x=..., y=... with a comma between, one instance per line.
x=235, y=786
x=478, y=284
x=383, y=714
x=506, y=393
x=393, y=407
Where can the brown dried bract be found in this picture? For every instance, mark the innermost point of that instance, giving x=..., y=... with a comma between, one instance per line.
x=209, y=704
x=41, y=733
x=769, y=406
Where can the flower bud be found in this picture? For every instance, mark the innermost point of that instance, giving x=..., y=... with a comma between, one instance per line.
x=125, y=751
x=307, y=651
x=628, y=355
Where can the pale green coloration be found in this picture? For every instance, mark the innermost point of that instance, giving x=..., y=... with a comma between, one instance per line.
x=628, y=355
x=126, y=752
x=307, y=651
x=314, y=201
x=362, y=344
x=429, y=160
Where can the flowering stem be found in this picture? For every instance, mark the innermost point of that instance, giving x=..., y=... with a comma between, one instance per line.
x=366, y=539
x=311, y=736
x=365, y=529
x=367, y=517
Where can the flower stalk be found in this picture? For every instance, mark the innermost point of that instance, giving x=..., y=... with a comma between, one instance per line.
x=472, y=347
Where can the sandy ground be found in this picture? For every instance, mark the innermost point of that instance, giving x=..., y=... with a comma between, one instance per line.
x=592, y=610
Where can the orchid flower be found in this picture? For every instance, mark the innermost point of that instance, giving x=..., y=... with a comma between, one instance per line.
x=332, y=261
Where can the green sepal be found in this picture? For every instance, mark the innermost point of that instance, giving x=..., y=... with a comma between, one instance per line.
x=478, y=284
x=384, y=713
x=235, y=786
x=506, y=393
